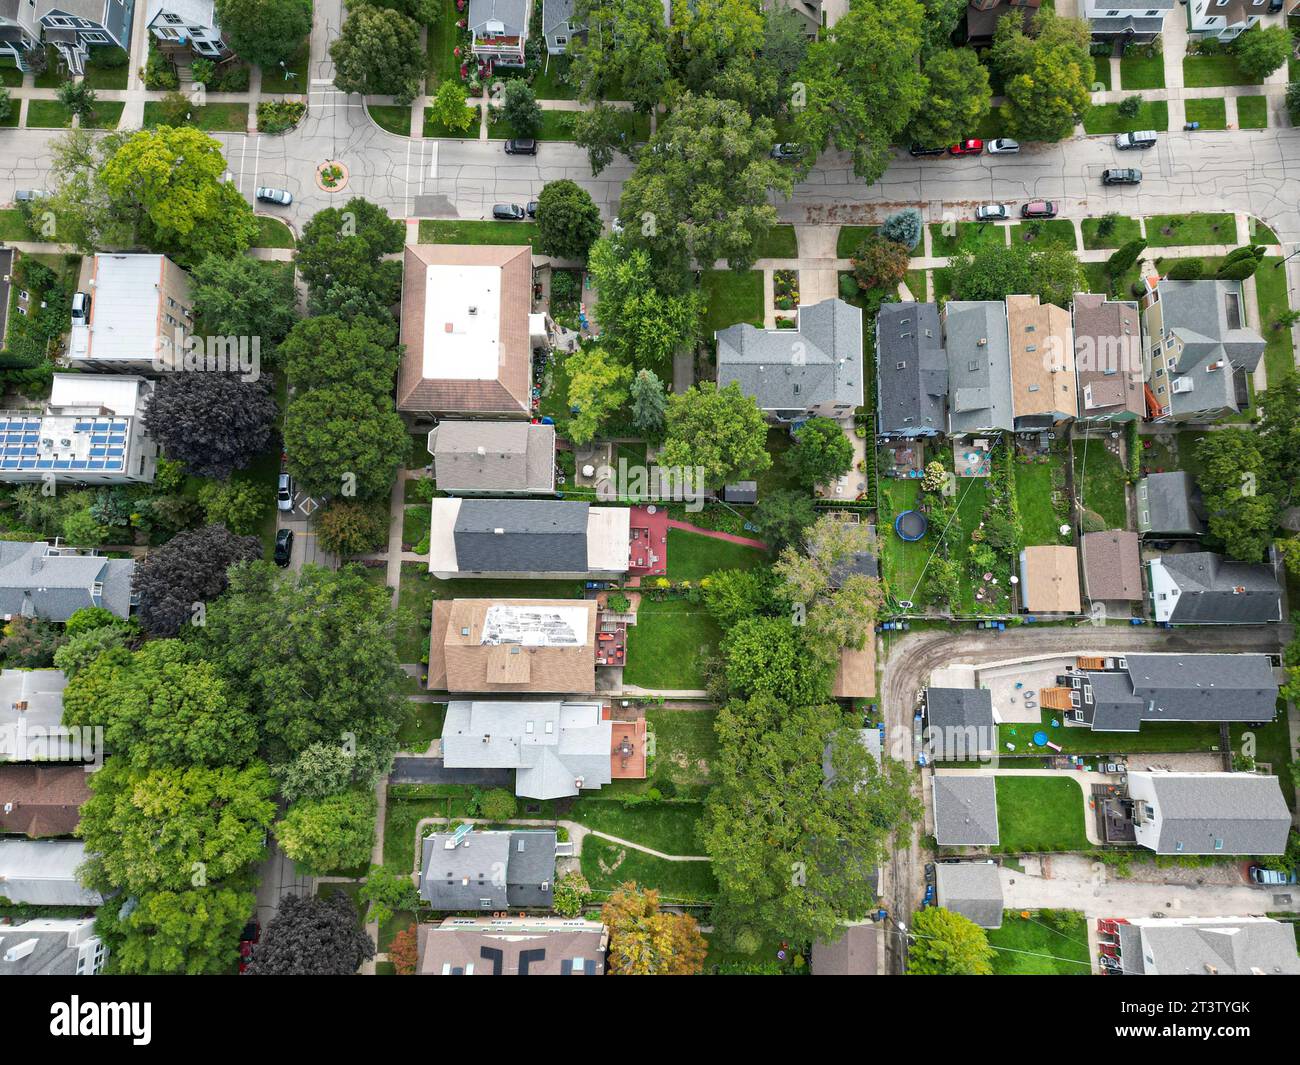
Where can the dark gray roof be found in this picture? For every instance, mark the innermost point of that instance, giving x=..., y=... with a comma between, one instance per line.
x=1216, y=590
x=1243, y=810
x=960, y=722
x=1114, y=706
x=555, y=13
x=965, y=810
x=856, y=952
x=1196, y=312
x=972, y=889
x=911, y=369
x=792, y=369
x=1208, y=687
x=1230, y=947
x=510, y=535
x=54, y=586
x=979, y=366
x=489, y=870
x=1172, y=505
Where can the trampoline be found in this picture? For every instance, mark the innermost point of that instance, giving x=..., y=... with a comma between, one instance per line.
x=910, y=525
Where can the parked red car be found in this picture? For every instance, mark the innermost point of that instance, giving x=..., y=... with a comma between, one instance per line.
x=971, y=146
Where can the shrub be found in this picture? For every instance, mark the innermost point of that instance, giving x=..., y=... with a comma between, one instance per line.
x=903, y=226
x=159, y=74
x=279, y=116
x=1186, y=270
x=233, y=79
x=1130, y=106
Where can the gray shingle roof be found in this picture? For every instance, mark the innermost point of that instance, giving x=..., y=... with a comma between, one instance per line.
x=1216, y=590
x=1245, y=811
x=555, y=13
x=855, y=952
x=911, y=369
x=513, y=14
x=975, y=334
x=793, y=369
x=1209, y=687
x=1172, y=505
x=965, y=810
x=493, y=457
x=1196, y=312
x=55, y=586
x=1112, y=565
x=960, y=722
x=41, y=690
x=489, y=870
x=52, y=954
x=537, y=535
x=972, y=889
x=1210, y=947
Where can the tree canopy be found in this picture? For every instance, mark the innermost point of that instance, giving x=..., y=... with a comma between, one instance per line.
x=215, y=423
x=719, y=430
x=944, y=943
x=178, y=581
x=312, y=936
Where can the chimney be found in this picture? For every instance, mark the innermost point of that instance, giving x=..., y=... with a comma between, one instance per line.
x=481, y=451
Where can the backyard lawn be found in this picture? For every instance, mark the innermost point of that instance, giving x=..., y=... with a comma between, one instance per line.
x=1205, y=71
x=607, y=865
x=1210, y=113
x=731, y=297
x=1142, y=72
x=1038, y=517
x=1155, y=737
x=1105, y=118
x=1252, y=112
x=902, y=563
x=671, y=828
x=1040, y=814
x=1181, y=230
x=1271, y=744
x=694, y=555
x=423, y=725
x=440, y=59
x=438, y=231
x=1099, y=481
x=669, y=644
x=1041, y=945
x=1125, y=229
x=1270, y=287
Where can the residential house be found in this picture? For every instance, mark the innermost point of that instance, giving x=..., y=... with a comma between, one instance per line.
x=44, y=873
x=1126, y=21
x=556, y=748
x=31, y=710
x=512, y=946
x=856, y=952
x=467, y=331
x=812, y=370
x=972, y=889
x=855, y=674
x=73, y=27
x=1202, y=588
x=1108, y=359
x=979, y=367
x=809, y=10
x=1049, y=580
x=50, y=947
x=1204, y=946
x=1112, y=567
x=1209, y=813
x=187, y=24
x=45, y=581
x=870, y=738
x=959, y=723
x=982, y=17
x=1134, y=688
x=1225, y=19
x=495, y=870
x=965, y=810
x=141, y=309
x=500, y=30
x=559, y=26
x=41, y=800
x=1169, y=506
x=911, y=371
x=527, y=538
x=1041, y=340
x=513, y=645
x=92, y=432
x=493, y=458
x=1200, y=349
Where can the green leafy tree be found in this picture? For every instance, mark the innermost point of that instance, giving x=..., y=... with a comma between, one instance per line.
x=880, y=263
x=1047, y=75
x=449, y=106
x=957, y=96
x=598, y=386
x=733, y=594
x=378, y=52
x=642, y=325
x=239, y=505
x=519, y=109
x=644, y=941
x=342, y=441
x=649, y=404
x=331, y=834
x=598, y=130
x=782, y=515
x=348, y=246
x=716, y=42
x=903, y=227
x=323, y=769
x=821, y=452
x=944, y=943
x=571, y=894
x=863, y=83
x=768, y=656
x=497, y=804
x=242, y=297
x=1186, y=270
x=388, y=890
x=1279, y=433
x=78, y=97
x=719, y=430
x=568, y=220
x=345, y=527
x=328, y=350
x=993, y=272
x=1235, y=481
x=85, y=647
x=1262, y=50
x=264, y=32
x=625, y=46
x=1125, y=257
x=194, y=932
x=6, y=104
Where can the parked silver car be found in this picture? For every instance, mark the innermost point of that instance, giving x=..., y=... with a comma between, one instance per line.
x=276, y=196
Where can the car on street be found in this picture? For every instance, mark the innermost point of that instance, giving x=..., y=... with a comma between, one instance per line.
x=531, y=209
x=508, y=212
x=786, y=151
x=921, y=149
x=284, y=492
x=281, y=197
x=1143, y=138
x=249, y=938
x=992, y=212
x=283, y=547
x=521, y=146
x=29, y=195
x=1003, y=146
x=1271, y=877
x=970, y=146
x=1038, y=209
x=1121, y=176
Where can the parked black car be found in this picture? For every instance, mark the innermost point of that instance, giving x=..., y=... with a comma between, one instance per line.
x=508, y=212
x=921, y=149
x=1123, y=176
x=283, y=547
x=521, y=146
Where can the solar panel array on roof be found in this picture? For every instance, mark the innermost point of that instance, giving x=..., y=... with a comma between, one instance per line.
x=95, y=443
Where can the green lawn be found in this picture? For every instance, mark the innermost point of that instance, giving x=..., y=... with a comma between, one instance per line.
x=901, y=562
x=942, y=277
x=1126, y=229
x=850, y=237
x=778, y=477
x=415, y=524
x=915, y=282
x=392, y=118
x=10, y=76
x=103, y=73
x=607, y=865
x=1270, y=286
x=779, y=243
x=1211, y=114
x=550, y=83
x=423, y=724
x=1046, y=231
x=1101, y=72
x=434, y=130
x=1205, y=71
x=1034, y=493
x=668, y=646
x=685, y=747
x=1252, y=112
x=1261, y=232
x=672, y=828
x=486, y=232
x=965, y=236
x=1272, y=745
x=1105, y=118
x=215, y=118
x=1041, y=945
x=1173, y=231
x=1040, y=814
x=298, y=67
x=558, y=126
x=107, y=115
x=272, y=233
x=440, y=60
x=1099, y=481
x=1141, y=72
x=1155, y=737
x=731, y=297
x=694, y=555
x=46, y=114
x=13, y=226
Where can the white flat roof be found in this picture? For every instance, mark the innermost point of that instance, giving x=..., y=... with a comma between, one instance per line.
x=535, y=626
x=124, y=311
x=462, y=323
x=117, y=392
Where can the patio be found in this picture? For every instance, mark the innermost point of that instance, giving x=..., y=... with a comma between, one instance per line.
x=1010, y=683
x=971, y=458
x=853, y=485
x=904, y=460
x=627, y=758
x=648, y=545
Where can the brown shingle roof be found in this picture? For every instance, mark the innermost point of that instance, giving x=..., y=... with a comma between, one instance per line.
x=854, y=953
x=855, y=676
x=535, y=946
x=510, y=392
x=1112, y=568
x=1042, y=358
x=45, y=800
x=1107, y=337
x=1051, y=577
